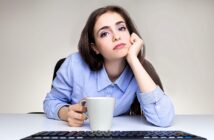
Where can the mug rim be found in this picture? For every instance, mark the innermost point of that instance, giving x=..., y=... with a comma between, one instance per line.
x=99, y=98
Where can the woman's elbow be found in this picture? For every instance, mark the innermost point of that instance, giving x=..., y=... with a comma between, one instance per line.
x=165, y=120
x=161, y=118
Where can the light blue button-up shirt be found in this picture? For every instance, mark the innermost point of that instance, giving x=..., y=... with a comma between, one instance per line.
x=75, y=81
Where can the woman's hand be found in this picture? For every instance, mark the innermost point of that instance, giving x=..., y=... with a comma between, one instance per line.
x=75, y=115
x=136, y=46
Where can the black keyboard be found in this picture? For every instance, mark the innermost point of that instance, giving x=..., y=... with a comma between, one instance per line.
x=112, y=135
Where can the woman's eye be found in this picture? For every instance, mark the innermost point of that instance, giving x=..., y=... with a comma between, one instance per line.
x=104, y=34
x=122, y=28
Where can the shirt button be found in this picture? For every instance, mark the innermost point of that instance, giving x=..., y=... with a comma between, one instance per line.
x=157, y=107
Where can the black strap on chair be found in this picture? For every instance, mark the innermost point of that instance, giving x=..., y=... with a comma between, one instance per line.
x=57, y=66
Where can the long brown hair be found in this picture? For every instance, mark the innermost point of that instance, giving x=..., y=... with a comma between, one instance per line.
x=95, y=61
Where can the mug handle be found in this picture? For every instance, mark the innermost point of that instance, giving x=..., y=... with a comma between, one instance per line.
x=83, y=103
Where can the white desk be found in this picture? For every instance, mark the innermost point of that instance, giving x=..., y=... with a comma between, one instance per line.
x=17, y=126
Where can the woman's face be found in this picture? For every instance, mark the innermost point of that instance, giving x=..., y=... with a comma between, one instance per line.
x=112, y=38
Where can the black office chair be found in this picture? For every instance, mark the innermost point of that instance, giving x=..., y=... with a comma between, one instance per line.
x=56, y=68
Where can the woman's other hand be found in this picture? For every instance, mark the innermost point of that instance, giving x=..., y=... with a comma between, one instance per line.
x=136, y=46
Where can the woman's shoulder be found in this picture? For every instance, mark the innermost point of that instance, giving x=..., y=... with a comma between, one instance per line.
x=75, y=57
x=77, y=68
x=76, y=61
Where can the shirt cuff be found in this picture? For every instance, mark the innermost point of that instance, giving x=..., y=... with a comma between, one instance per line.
x=150, y=97
x=57, y=110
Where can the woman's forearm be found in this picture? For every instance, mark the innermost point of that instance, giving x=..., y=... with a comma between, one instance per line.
x=145, y=82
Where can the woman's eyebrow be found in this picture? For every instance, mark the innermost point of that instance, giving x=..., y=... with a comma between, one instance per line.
x=106, y=27
x=119, y=22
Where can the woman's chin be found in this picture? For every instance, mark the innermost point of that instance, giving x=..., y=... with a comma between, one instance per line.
x=122, y=54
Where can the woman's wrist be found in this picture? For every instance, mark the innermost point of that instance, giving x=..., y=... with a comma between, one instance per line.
x=63, y=113
x=131, y=59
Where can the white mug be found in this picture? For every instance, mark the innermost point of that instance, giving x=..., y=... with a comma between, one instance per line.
x=100, y=112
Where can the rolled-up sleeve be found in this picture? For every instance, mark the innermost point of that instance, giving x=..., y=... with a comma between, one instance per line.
x=157, y=107
x=59, y=95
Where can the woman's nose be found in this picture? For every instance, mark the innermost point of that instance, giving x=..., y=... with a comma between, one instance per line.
x=116, y=36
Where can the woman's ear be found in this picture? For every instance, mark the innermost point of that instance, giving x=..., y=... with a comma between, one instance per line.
x=94, y=47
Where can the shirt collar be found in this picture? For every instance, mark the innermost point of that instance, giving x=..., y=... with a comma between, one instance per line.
x=122, y=82
x=124, y=79
x=102, y=80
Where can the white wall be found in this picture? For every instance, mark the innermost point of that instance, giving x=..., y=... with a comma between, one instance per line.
x=178, y=35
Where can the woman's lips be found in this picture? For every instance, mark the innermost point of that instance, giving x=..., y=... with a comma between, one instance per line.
x=119, y=46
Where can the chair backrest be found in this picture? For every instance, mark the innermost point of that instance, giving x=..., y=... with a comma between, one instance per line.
x=57, y=66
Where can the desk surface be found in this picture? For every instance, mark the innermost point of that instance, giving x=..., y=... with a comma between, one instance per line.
x=17, y=126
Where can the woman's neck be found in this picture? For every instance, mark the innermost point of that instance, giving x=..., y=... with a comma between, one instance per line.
x=114, y=68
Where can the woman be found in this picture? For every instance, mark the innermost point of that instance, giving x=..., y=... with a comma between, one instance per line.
x=109, y=63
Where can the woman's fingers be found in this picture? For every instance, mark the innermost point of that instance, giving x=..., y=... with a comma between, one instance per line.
x=74, y=122
x=134, y=38
x=78, y=108
x=77, y=112
x=76, y=115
